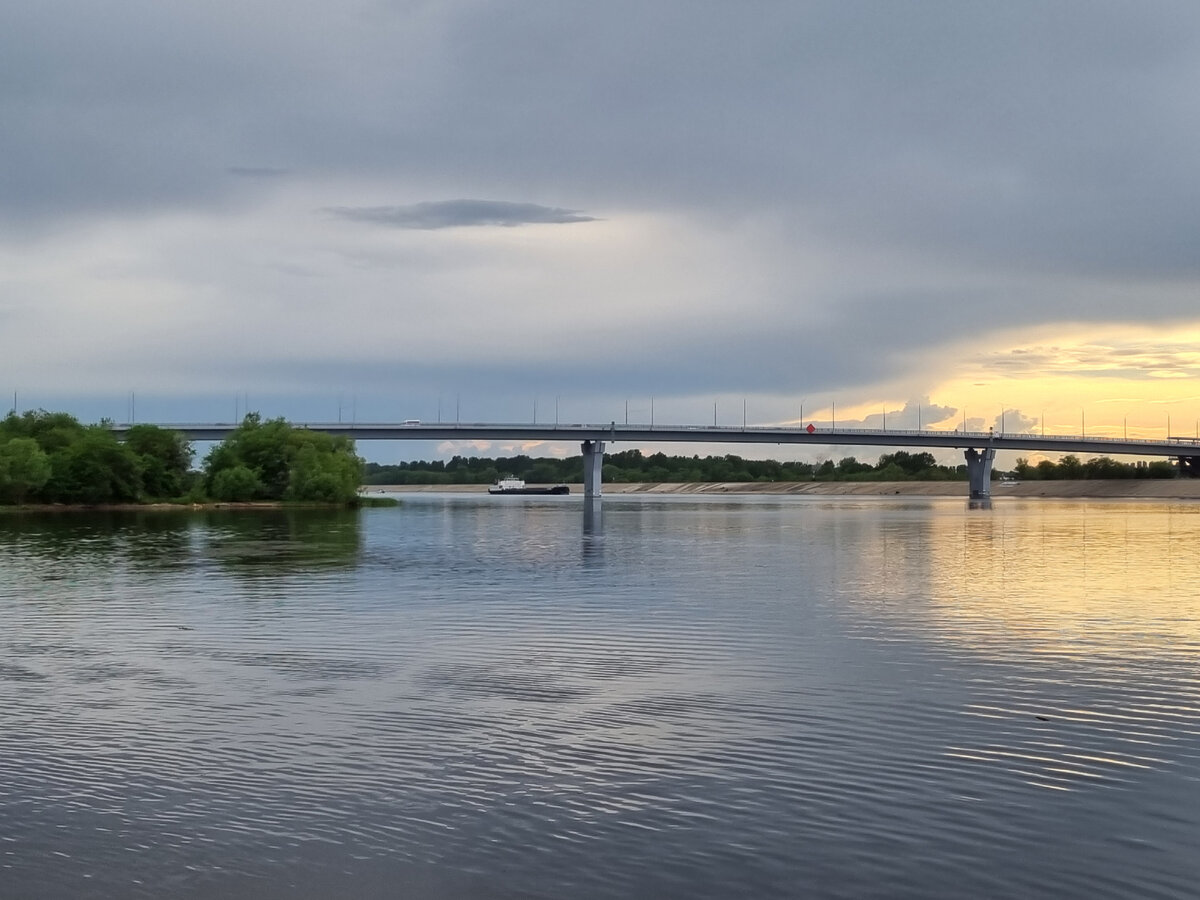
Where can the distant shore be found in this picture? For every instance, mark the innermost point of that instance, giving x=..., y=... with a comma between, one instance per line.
x=1145, y=488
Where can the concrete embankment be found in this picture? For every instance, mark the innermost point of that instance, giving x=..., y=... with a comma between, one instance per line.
x=1147, y=488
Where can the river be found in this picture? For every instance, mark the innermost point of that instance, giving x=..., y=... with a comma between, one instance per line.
x=472, y=696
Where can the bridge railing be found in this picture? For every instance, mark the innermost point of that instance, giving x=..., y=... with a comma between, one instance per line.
x=977, y=437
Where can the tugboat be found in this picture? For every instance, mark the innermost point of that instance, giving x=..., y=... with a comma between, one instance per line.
x=512, y=485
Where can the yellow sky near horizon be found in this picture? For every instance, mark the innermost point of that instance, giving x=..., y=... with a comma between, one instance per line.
x=1103, y=380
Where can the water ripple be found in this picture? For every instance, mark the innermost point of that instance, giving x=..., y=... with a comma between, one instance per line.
x=697, y=697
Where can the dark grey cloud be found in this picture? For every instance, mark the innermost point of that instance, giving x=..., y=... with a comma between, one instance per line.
x=256, y=172
x=997, y=165
x=460, y=213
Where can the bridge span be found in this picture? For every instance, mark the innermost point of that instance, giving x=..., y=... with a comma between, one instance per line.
x=979, y=447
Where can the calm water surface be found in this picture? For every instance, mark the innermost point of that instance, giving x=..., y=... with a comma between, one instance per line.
x=679, y=697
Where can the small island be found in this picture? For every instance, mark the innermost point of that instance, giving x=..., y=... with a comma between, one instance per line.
x=50, y=459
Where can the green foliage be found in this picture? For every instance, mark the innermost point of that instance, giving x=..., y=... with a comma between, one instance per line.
x=1071, y=468
x=95, y=468
x=261, y=447
x=632, y=466
x=24, y=468
x=52, y=431
x=165, y=458
x=907, y=464
x=324, y=469
x=282, y=462
x=235, y=484
x=851, y=466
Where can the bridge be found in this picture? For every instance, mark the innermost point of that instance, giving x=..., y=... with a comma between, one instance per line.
x=979, y=447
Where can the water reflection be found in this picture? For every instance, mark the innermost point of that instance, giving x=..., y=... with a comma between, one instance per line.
x=696, y=697
x=593, y=532
x=262, y=543
x=61, y=545
x=1082, y=622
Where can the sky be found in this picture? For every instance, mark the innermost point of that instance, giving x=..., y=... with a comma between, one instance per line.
x=954, y=214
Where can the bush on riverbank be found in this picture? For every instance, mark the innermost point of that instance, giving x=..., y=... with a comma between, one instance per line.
x=273, y=461
x=51, y=458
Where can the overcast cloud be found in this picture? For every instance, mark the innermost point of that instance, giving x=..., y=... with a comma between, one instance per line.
x=460, y=213
x=872, y=204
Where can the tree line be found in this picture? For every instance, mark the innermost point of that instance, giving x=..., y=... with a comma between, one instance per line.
x=1072, y=468
x=52, y=458
x=632, y=466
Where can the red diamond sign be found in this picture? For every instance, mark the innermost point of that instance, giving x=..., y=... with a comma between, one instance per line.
x=810, y=428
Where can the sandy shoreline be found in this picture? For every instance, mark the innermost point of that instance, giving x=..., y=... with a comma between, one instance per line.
x=1147, y=488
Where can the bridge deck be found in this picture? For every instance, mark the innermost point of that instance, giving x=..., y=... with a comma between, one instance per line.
x=612, y=432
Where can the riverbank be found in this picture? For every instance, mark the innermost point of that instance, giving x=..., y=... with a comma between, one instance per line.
x=1145, y=488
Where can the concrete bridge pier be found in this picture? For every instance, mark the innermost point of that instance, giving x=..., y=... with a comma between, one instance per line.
x=593, y=461
x=979, y=472
x=1189, y=466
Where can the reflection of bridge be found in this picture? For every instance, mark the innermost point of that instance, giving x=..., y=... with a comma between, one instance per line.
x=980, y=447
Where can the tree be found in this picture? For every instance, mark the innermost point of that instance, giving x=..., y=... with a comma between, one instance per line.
x=1025, y=470
x=324, y=470
x=849, y=467
x=910, y=463
x=24, y=468
x=96, y=468
x=1070, y=467
x=165, y=457
x=283, y=462
x=1106, y=467
x=235, y=484
x=52, y=431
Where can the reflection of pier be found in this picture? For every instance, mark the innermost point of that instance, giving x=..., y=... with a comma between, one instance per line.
x=593, y=532
x=980, y=447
